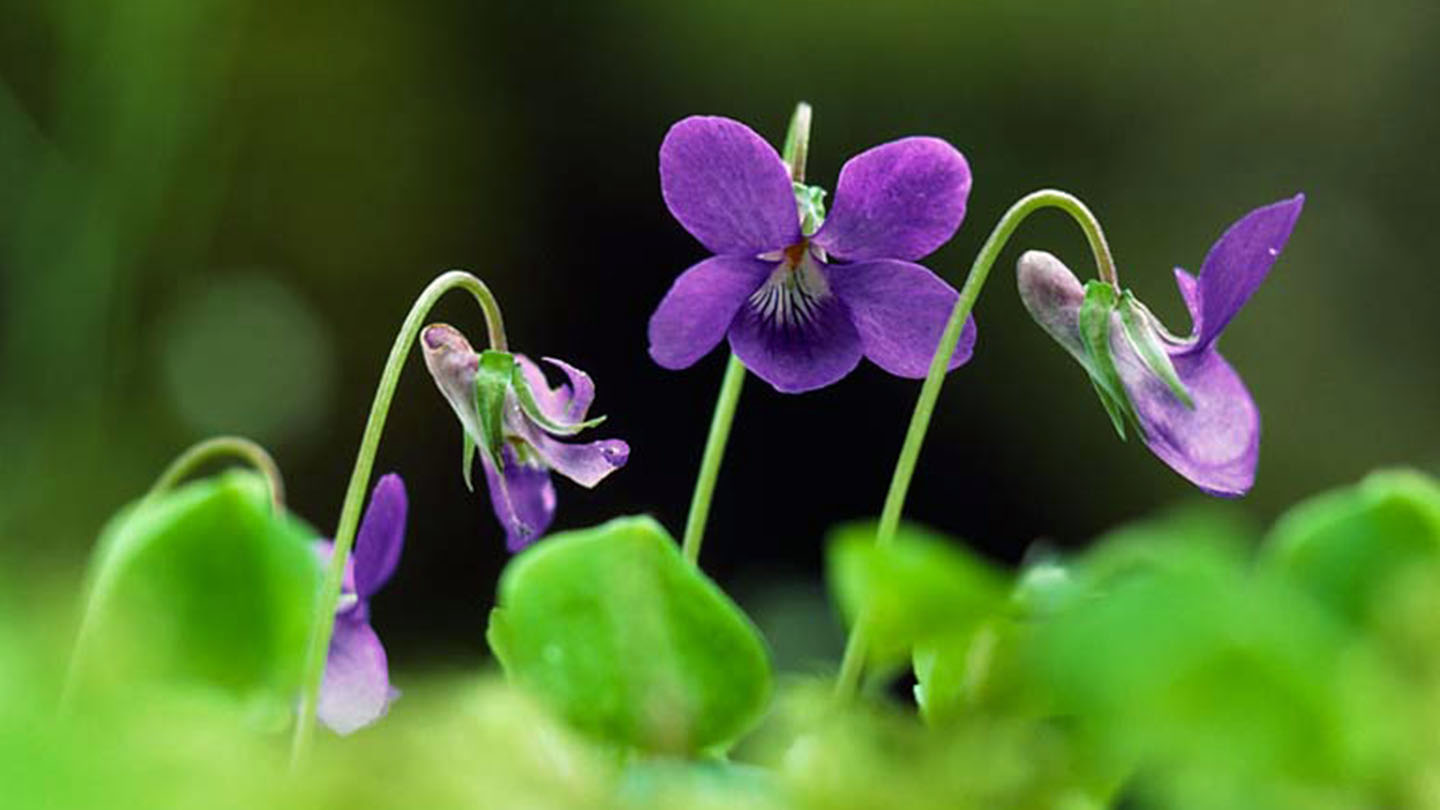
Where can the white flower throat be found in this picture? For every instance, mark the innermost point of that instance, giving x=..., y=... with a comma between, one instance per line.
x=793, y=293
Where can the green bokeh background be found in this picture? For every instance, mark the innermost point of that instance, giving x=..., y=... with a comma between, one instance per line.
x=213, y=213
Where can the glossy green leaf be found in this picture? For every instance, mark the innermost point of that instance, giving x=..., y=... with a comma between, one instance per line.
x=205, y=583
x=628, y=642
x=922, y=586
x=492, y=382
x=1096, y=318
x=1348, y=547
x=1147, y=344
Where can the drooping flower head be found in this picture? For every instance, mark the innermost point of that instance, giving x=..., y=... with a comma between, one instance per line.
x=803, y=296
x=356, y=690
x=1192, y=409
x=511, y=415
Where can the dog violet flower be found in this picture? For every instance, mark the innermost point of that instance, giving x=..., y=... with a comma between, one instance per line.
x=1192, y=409
x=803, y=296
x=511, y=414
x=356, y=690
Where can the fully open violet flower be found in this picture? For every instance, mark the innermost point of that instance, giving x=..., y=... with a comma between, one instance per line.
x=1215, y=440
x=802, y=301
x=356, y=690
x=518, y=448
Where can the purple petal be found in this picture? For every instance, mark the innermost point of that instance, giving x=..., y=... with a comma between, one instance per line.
x=356, y=689
x=728, y=187
x=900, y=310
x=567, y=404
x=900, y=200
x=522, y=496
x=586, y=464
x=381, y=536
x=1052, y=295
x=453, y=364
x=1190, y=294
x=799, y=355
x=1217, y=444
x=1238, y=263
x=697, y=311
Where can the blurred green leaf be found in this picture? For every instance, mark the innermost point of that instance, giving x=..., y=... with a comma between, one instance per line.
x=1347, y=547
x=922, y=586
x=204, y=583
x=629, y=642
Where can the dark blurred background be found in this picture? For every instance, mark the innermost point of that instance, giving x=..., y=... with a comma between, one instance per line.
x=215, y=213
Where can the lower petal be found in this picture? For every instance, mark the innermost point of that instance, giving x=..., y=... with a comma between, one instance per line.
x=697, y=311
x=900, y=310
x=1216, y=445
x=356, y=689
x=586, y=464
x=799, y=354
x=523, y=498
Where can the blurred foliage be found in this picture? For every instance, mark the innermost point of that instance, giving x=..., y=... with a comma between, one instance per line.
x=628, y=641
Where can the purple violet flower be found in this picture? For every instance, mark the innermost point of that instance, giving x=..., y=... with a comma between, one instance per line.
x=520, y=488
x=798, y=319
x=356, y=690
x=1215, y=443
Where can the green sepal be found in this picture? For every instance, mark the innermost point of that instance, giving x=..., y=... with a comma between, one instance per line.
x=1136, y=321
x=467, y=459
x=811, y=202
x=1100, y=302
x=492, y=380
x=532, y=410
x=627, y=641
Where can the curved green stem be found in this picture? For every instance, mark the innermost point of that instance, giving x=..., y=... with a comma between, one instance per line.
x=219, y=446
x=794, y=152
x=714, y=453
x=101, y=576
x=314, y=669
x=853, y=662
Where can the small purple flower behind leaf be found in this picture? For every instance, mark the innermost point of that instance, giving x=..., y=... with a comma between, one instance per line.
x=802, y=301
x=1192, y=408
x=511, y=418
x=356, y=690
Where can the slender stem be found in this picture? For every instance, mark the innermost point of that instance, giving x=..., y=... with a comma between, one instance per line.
x=853, y=662
x=794, y=152
x=217, y=447
x=324, y=623
x=102, y=575
x=714, y=453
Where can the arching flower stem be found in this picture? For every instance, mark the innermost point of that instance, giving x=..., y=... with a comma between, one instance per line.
x=853, y=662
x=324, y=624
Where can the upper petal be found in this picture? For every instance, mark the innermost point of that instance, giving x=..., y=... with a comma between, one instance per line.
x=1238, y=262
x=453, y=365
x=381, y=536
x=1216, y=445
x=799, y=354
x=899, y=200
x=522, y=496
x=697, y=311
x=356, y=689
x=900, y=310
x=727, y=186
x=567, y=404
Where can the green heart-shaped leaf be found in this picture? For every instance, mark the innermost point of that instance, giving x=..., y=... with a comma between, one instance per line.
x=205, y=582
x=1346, y=547
x=628, y=642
